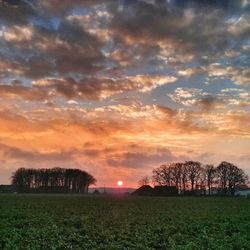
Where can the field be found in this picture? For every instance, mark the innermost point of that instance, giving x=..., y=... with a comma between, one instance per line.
x=93, y=222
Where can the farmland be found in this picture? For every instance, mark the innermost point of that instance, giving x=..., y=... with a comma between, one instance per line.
x=99, y=222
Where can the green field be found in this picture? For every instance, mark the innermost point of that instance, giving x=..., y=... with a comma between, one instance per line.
x=93, y=222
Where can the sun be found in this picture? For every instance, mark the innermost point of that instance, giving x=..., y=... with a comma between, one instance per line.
x=119, y=183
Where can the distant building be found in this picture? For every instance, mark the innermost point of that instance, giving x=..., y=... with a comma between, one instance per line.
x=144, y=190
x=96, y=191
x=147, y=190
x=213, y=191
x=245, y=193
x=241, y=187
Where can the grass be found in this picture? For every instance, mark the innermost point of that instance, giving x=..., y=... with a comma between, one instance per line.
x=93, y=222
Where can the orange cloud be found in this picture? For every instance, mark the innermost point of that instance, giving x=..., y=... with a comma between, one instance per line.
x=99, y=141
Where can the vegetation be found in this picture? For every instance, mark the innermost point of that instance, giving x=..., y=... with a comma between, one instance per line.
x=52, y=180
x=101, y=222
x=192, y=177
x=145, y=180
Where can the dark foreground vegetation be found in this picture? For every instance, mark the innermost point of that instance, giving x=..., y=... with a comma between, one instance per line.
x=101, y=222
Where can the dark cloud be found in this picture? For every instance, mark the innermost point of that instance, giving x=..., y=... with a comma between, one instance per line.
x=60, y=7
x=138, y=34
x=141, y=159
x=91, y=152
x=166, y=110
x=16, y=11
x=194, y=29
x=203, y=3
x=208, y=102
x=178, y=32
x=62, y=155
x=27, y=93
x=93, y=88
x=18, y=153
x=48, y=52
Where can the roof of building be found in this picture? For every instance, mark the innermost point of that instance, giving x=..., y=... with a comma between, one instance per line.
x=157, y=190
x=144, y=190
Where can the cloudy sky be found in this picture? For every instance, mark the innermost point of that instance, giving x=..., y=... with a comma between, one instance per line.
x=118, y=87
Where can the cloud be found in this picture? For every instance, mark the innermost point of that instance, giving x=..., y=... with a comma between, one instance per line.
x=34, y=156
x=21, y=10
x=240, y=27
x=209, y=102
x=49, y=52
x=72, y=102
x=238, y=75
x=146, y=32
x=117, y=87
x=190, y=71
x=241, y=77
x=27, y=93
x=186, y=96
x=235, y=96
x=101, y=88
x=187, y=29
x=62, y=6
x=131, y=138
x=141, y=159
x=166, y=110
x=18, y=34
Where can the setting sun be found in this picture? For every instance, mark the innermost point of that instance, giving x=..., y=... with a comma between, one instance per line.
x=119, y=183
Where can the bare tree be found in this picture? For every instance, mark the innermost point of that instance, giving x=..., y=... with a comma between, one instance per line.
x=210, y=173
x=163, y=175
x=176, y=169
x=184, y=176
x=145, y=180
x=230, y=176
x=169, y=174
x=193, y=172
x=193, y=176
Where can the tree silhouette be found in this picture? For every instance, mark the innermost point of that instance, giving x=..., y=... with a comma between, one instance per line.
x=194, y=177
x=210, y=174
x=176, y=170
x=193, y=172
x=52, y=180
x=145, y=180
x=162, y=175
x=229, y=177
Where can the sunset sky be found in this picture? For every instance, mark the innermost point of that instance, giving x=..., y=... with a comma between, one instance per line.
x=118, y=87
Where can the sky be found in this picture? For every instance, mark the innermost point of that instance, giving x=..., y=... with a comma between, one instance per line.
x=119, y=87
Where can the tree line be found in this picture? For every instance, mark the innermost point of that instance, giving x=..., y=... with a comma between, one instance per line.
x=192, y=177
x=52, y=180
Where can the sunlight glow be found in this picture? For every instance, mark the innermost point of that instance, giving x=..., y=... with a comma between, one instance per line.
x=119, y=183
